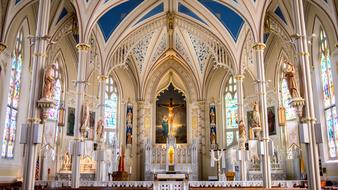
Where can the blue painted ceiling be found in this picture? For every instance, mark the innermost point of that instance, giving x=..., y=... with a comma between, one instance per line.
x=229, y=18
x=111, y=19
x=280, y=14
x=63, y=13
x=185, y=10
x=232, y=21
x=156, y=10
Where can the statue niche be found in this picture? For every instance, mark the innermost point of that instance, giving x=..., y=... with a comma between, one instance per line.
x=171, y=115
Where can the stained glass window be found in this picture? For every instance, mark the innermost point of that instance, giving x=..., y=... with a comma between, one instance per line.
x=53, y=113
x=290, y=112
x=111, y=100
x=328, y=95
x=13, y=99
x=231, y=110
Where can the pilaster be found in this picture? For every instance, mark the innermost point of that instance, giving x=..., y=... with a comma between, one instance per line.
x=80, y=84
x=259, y=51
x=39, y=60
x=312, y=148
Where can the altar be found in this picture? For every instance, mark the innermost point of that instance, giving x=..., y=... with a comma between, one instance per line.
x=170, y=177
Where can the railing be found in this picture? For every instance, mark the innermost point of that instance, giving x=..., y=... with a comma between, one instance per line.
x=172, y=185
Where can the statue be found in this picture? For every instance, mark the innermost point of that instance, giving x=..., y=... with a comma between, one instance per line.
x=129, y=116
x=121, y=160
x=289, y=74
x=49, y=82
x=242, y=135
x=256, y=125
x=212, y=116
x=99, y=130
x=165, y=126
x=66, y=162
x=84, y=124
x=213, y=135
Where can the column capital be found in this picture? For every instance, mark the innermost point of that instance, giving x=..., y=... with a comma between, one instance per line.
x=83, y=46
x=239, y=77
x=259, y=46
x=102, y=77
x=2, y=47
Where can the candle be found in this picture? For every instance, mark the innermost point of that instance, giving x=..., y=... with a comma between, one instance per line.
x=130, y=169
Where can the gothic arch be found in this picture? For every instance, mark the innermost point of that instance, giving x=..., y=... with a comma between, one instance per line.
x=151, y=87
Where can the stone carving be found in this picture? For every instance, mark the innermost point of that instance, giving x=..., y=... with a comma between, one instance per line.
x=201, y=49
x=289, y=74
x=161, y=48
x=84, y=125
x=140, y=50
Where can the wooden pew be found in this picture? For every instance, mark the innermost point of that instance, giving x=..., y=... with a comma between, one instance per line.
x=17, y=185
x=93, y=188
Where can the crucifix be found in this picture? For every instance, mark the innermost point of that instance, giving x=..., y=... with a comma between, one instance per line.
x=169, y=120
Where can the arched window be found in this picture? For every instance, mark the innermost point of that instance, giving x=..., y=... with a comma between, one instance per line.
x=53, y=112
x=13, y=99
x=330, y=111
x=111, y=100
x=231, y=109
x=290, y=112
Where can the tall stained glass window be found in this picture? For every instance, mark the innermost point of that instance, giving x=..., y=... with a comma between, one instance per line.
x=13, y=99
x=328, y=95
x=111, y=100
x=231, y=110
x=53, y=113
x=290, y=112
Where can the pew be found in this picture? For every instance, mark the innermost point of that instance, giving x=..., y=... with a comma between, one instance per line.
x=93, y=188
x=17, y=185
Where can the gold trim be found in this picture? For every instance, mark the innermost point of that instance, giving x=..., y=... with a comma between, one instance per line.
x=337, y=45
x=83, y=46
x=302, y=53
x=2, y=47
x=38, y=54
x=309, y=119
x=34, y=120
x=102, y=77
x=239, y=77
x=259, y=46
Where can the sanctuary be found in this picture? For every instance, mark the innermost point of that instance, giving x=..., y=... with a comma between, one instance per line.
x=168, y=94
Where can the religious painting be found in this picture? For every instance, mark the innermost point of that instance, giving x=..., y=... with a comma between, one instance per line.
x=91, y=131
x=272, y=120
x=249, y=116
x=171, y=115
x=70, y=121
x=129, y=124
x=212, y=119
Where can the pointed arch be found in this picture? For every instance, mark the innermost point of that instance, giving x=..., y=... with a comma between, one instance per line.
x=12, y=108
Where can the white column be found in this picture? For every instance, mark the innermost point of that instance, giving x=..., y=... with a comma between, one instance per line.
x=239, y=81
x=259, y=51
x=80, y=92
x=312, y=148
x=39, y=59
x=100, y=165
x=140, y=138
x=202, y=152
